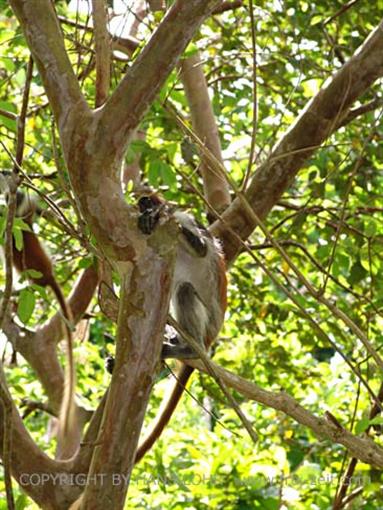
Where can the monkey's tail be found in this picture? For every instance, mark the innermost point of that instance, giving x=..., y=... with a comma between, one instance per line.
x=68, y=430
x=166, y=412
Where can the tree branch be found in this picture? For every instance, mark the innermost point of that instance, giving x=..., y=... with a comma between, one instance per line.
x=215, y=186
x=44, y=37
x=6, y=402
x=228, y=6
x=8, y=248
x=125, y=108
x=39, y=347
x=8, y=114
x=102, y=40
x=143, y=311
x=313, y=126
x=353, y=113
x=362, y=448
x=78, y=301
x=127, y=45
x=28, y=461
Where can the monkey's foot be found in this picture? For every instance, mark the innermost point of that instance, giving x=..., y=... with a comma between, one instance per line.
x=172, y=350
x=109, y=364
x=177, y=351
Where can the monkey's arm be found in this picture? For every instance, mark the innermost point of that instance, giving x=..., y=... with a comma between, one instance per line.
x=194, y=242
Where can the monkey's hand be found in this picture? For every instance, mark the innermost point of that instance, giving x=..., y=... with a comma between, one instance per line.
x=147, y=220
x=150, y=208
x=177, y=351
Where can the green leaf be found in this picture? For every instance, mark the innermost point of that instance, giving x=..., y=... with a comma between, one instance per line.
x=21, y=224
x=33, y=274
x=18, y=237
x=378, y=420
x=42, y=291
x=295, y=456
x=154, y=172
x=357, y=273
x=138, y=146
x=22, y=502
x=26, y=305
x=85, y=262
x=362, y=425
x=191, y=50
x=20, y=77
x=9, y=107
x=171, y=150
x=167, y=174
x=315, y=20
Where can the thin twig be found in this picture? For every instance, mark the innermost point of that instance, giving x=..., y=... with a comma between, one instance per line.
x=200, y=404
x=255, y=100
x=357, y=165
x=354, y=113
x=340, y=499
x=32, y=405
x=196, y=346
x=7, y=114
x=318, y=265
x=343, y=9
x=8, y=247
x=23, y=115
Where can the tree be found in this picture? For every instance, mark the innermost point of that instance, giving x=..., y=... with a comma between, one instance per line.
x=321, y=168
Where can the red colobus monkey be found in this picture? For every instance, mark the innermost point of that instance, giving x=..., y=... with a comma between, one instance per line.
x=32, y=256
x=198, y=297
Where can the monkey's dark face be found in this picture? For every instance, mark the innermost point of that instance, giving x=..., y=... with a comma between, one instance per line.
x=149, y=203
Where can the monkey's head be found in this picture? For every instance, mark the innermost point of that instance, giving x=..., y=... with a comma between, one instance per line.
x=151, y=207
x=150, y=202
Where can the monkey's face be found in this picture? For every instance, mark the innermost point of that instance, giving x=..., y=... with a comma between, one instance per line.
x=149, y=203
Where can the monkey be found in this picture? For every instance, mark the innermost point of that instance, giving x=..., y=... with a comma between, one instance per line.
x=198, y=298
x=32, y=256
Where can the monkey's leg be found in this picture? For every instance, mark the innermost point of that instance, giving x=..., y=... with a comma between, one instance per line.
x=173, y=351
x=191, y=315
